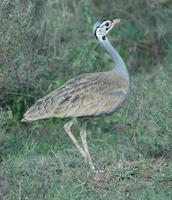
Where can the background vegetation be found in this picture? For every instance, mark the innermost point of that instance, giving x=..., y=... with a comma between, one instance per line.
x=43, y=43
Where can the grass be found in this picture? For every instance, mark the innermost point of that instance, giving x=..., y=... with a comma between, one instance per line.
x=133, y=146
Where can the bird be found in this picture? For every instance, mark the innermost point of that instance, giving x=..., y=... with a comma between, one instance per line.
x=87, y=95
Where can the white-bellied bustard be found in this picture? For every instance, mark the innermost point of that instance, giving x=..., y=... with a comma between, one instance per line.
x=90, y=94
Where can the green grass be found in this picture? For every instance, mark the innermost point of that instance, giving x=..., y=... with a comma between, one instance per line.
x=42, y=46
x=133, y=146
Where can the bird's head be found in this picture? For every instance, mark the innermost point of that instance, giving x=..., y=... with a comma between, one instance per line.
x=102, y=27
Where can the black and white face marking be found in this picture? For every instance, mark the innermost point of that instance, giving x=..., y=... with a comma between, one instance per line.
x=102, y=28
x=106, y=24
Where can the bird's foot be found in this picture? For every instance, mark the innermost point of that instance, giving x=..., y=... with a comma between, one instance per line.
x=99, y=175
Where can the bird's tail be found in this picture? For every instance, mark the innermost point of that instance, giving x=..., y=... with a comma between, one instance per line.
x=25, y=120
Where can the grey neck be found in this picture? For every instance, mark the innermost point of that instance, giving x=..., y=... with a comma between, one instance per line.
x=119, y=64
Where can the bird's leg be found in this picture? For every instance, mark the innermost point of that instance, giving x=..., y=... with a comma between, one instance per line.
x=67, y=128
x=83, y=135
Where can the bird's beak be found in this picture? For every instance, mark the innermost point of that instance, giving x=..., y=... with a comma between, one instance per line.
x=115, y=22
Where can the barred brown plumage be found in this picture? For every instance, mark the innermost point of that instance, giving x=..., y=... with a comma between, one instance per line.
x=90, y=94
x=85, y=95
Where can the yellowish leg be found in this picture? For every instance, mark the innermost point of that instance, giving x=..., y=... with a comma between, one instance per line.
x=67, y=128
x=83, y=150
x=83, y=135
x=99, y=175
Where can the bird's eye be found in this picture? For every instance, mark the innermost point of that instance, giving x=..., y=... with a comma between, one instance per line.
x=107, y=24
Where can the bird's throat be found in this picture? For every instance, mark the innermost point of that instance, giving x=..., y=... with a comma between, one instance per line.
x=119, y=64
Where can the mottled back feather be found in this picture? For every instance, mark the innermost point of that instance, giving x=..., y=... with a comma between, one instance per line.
x=90, y=94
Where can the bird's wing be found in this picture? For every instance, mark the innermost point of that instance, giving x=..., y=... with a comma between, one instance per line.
x=85, y=95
